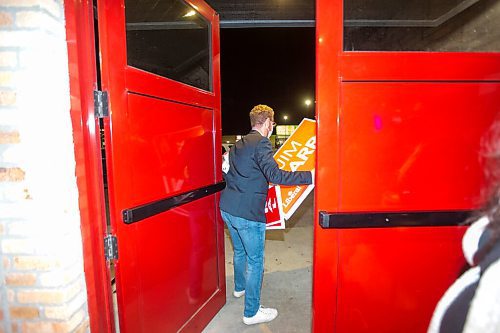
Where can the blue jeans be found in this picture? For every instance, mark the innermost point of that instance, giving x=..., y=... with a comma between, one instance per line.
x=248, y=242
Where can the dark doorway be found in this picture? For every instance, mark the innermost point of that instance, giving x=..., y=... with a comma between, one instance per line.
x=274, y=66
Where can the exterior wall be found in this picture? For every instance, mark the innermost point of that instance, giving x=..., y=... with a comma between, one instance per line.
x=42, y=285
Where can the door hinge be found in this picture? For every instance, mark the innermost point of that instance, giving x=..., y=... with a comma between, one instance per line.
x=101, y=105
x=110, y=247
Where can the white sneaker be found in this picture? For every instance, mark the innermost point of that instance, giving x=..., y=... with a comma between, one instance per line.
x=238, y=294
x=264, y=315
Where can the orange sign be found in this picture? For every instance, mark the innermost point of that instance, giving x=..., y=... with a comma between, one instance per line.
x=298, y=153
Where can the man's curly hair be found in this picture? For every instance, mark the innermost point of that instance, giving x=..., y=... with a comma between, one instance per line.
x=260, y=113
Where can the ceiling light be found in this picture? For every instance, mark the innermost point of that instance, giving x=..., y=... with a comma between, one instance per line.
x=190, y=13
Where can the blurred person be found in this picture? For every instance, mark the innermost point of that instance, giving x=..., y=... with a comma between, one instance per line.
x=472, y=303
x=242, y=203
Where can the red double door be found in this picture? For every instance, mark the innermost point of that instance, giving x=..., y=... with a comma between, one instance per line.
x=160, y=68
x=398, y=168
x=401, y=110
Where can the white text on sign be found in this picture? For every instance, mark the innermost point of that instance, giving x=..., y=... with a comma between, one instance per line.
x=291, y=195
x=297, y=157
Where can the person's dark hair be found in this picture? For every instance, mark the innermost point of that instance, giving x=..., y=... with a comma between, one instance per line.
x=490, y=158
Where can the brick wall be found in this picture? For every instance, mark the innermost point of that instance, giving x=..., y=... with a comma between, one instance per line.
x=42, y=287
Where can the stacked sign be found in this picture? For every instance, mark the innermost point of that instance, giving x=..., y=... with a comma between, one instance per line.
x=298, y=153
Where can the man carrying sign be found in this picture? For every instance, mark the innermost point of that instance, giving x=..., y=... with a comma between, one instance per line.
x=251, y=169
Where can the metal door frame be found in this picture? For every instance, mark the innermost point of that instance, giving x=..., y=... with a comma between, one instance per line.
x=79, y=17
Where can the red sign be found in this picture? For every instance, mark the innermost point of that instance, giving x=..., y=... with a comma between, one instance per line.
x=274, y=210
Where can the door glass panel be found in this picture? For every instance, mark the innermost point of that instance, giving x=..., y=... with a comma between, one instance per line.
x=169, y=38
x=422, y=25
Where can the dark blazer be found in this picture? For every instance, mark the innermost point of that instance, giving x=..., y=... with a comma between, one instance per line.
x=252, y=168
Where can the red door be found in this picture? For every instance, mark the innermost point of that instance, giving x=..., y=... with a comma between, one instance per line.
x=399, y=164
x=160, y=68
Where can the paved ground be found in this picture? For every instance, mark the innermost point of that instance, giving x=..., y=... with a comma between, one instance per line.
x=287, y=282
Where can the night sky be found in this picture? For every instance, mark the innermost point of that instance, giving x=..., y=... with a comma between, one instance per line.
x=273, y=66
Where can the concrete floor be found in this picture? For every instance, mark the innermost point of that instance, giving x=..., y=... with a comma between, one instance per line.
x=287, y=283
